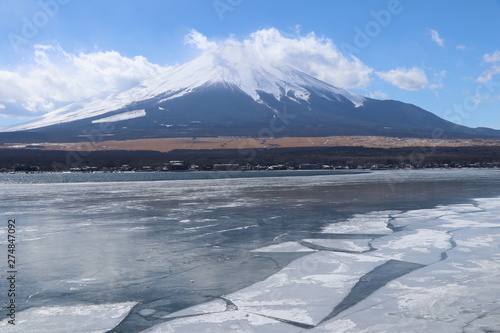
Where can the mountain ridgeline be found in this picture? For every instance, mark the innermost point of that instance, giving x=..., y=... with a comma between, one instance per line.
x=229, y=93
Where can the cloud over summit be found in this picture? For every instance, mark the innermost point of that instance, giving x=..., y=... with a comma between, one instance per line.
x=57, y=77
x=314, y=55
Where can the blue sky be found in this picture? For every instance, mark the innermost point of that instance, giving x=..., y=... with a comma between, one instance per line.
x=443, y=56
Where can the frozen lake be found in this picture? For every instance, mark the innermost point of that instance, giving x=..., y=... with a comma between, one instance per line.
x=289, y=252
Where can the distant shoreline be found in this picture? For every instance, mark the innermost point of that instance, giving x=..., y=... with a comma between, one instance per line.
x=242, y=153
x=303, y=158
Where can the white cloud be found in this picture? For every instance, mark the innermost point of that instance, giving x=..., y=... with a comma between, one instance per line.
x=494, y=57
x=461, y=47
x=378, y=95
x=196, y=39
x=408, y=79
x=316, y=56
x=479, y=100
x=57, y=78
x=488, y=74
x=436, y=38
x=438, y=78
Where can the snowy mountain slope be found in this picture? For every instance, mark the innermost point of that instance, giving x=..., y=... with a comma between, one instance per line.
x=227, y=92
x=229, y=66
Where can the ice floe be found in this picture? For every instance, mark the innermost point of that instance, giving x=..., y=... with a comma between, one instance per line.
x=301, y=295
x=348, y=245
x=224, y=322
x=428, y=269
x=423, y=246
x=284, y=247
x=458, y=294
x=217, y=305
x=308, y=289
x=64, y=319
x=372, y=223
x=415, y=303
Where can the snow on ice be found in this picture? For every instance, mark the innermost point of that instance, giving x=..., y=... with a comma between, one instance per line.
x=64, y=319
x=453, y=286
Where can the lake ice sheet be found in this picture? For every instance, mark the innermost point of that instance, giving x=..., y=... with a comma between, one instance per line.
x=455, y=287
x=322, y=264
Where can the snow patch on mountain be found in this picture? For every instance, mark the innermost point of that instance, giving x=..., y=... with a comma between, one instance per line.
x=122, y=116
x=76, y=111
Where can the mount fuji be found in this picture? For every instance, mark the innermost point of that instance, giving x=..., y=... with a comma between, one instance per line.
x=229, y=92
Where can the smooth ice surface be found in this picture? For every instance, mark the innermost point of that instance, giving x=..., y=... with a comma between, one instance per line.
x=64, y=319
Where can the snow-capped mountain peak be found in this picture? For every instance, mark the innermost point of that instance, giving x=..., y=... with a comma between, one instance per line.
x=229, y=65
x=232, y=66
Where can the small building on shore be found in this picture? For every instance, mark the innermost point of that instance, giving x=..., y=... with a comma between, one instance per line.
x=175, y=166
x=306, y=166
x=226, y=167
